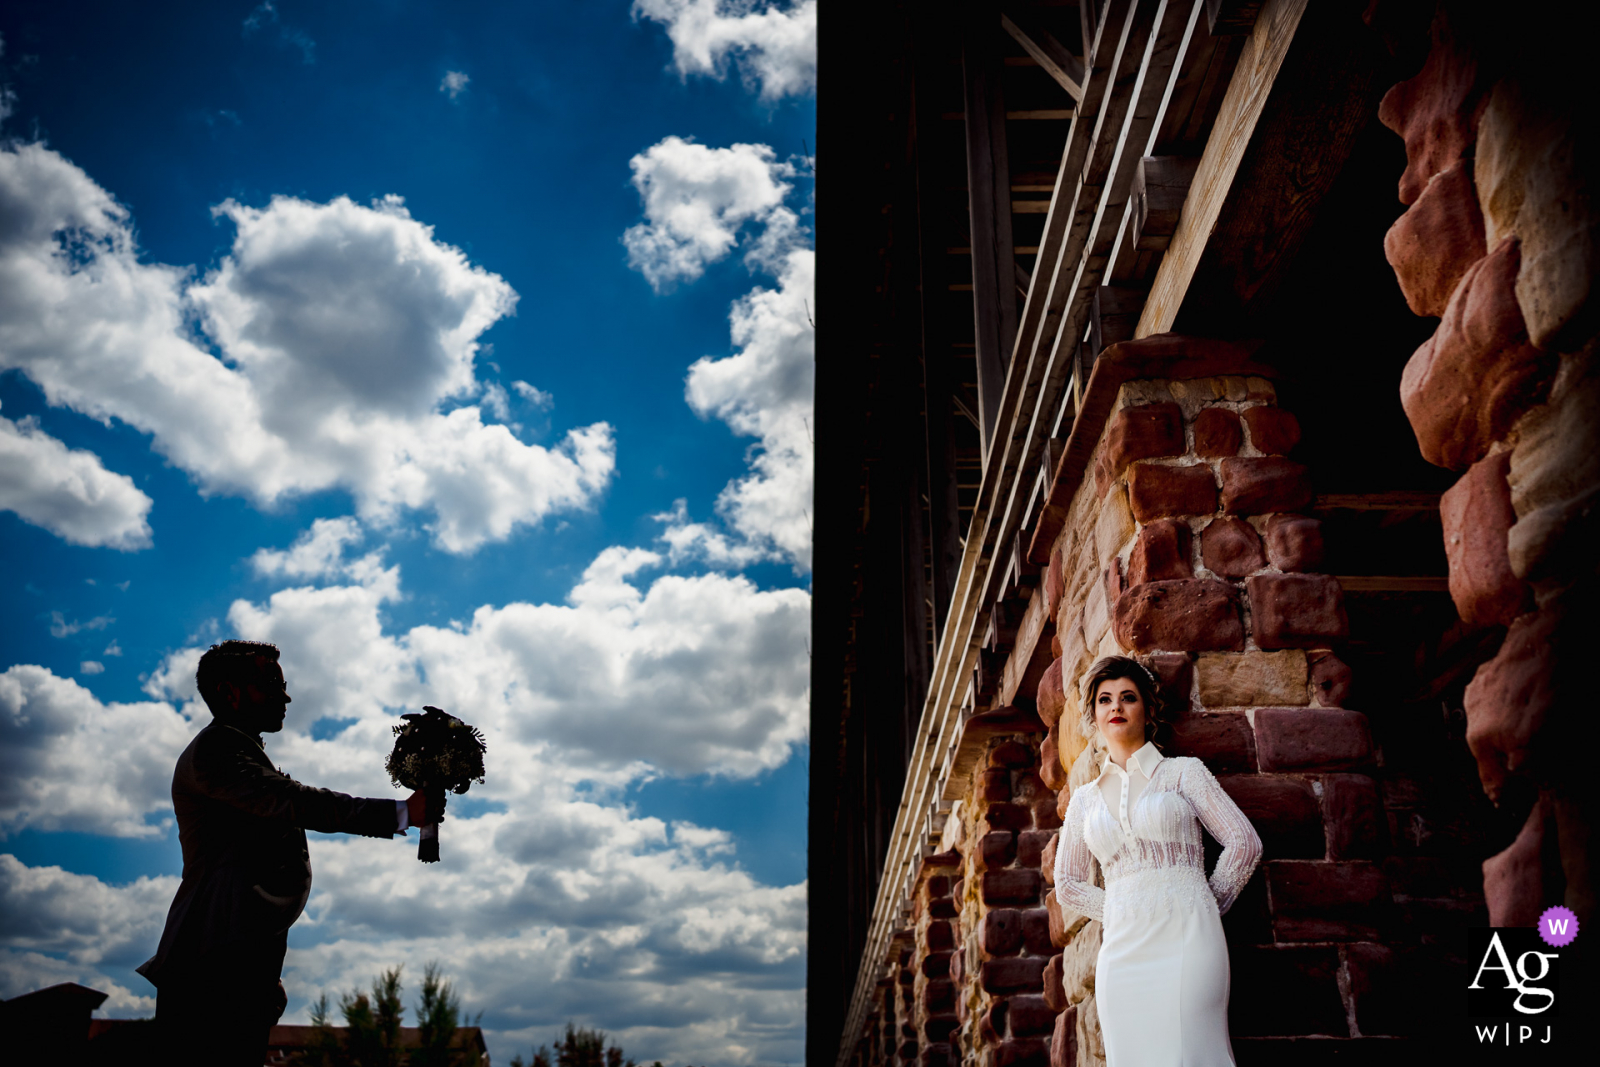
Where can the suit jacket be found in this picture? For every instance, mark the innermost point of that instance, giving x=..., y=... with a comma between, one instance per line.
x=242, y=823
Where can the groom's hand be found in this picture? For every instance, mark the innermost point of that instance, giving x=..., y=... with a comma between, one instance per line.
x=417, y=809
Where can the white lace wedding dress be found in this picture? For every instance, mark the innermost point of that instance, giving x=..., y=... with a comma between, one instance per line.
x=1161, y=979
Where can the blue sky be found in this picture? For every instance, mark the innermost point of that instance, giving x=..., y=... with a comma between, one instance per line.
x=464, y=351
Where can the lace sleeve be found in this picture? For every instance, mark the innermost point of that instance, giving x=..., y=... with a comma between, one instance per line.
x=1075, y=888
x=1241, y=847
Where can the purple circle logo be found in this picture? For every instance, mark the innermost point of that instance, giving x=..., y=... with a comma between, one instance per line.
x=1558, y=926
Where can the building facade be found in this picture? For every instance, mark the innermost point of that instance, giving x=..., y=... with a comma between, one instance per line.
x=1251, y=338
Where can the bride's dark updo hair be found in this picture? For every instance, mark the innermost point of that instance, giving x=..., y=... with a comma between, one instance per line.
x=1109, y=669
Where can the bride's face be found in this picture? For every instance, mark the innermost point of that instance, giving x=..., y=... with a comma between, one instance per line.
x=1119, y=712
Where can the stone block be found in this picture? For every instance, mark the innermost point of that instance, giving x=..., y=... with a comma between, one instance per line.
x=1032, y=843
x=1059, y=928
x=939, y=997
x=1431, y=246
x=937, y=1029
x=1320, y=901
x=1312, y=739
x=1096, y=613
x=1437, y=111
x=1051, y=697
x=1330, y=679
x=1467, y=384
x=1013, y=974
x=1284, y=812
x=1161, y=553
x=1217, y=433
x=1063, y=1040
x=1022, y=1052
x=1231, y=548
x=1513, y=880
x=1047, y=859
x=1174, y=673
x=1254, y=485
x=1249, y=921
x=940, y=936
x=1400, y=992
x=1239, y=679
x=1507, y=700
x=997, y=848
x=995, y=784
x=1294, y=543
x=1012, y=755
x=1222, y=741
x=1555, y=468
x=1027, y=1016
x=1055, y=583
x=1143, y=432
x=1194, y=615
x=1296, y=610
x=1532, y=181
x=1285, y=991
x=1054, y=995
x=1112, y=526
x=1273, y=430
x=1044, y=811
x=1000, y=933
x=1157, y=490
x=1011, y=885
x=1006, y=816
x=1087, y=1038
x=1036, y=932
x=1050, y=767
x=1078, y=962
x=1354, y=815
x=1477, y=517
x=936, y=965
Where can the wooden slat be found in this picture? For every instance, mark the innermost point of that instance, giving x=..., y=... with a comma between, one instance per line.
x=1242, y=105
x=994, y=309
x=1381, y=583
x=1050, y=54
x=1403, y=500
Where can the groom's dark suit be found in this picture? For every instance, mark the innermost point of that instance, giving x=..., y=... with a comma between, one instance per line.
x=246, y=877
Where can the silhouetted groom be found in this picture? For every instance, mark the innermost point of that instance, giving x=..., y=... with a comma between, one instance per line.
x=246, y=870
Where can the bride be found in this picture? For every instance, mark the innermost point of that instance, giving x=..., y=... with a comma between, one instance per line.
x=1161, y=979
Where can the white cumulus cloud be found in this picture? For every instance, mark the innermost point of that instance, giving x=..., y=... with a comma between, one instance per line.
x=346, y=330
x=69, y=491
x=454, y=83
x=697, y=199
x=775, y=46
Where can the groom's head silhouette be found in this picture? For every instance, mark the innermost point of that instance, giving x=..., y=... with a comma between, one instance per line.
x=243, y=685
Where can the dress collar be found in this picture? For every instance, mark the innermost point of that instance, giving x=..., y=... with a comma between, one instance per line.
x=1147, y=759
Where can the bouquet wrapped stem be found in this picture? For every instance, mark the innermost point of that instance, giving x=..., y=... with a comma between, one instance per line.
x=435, y=752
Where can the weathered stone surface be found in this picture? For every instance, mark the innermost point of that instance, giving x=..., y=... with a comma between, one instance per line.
x=937, y=1029
x=1051, y=697
x=1330, y=679
x=1091, y=1044
x=1006, y=816
x=1031, y=844
x=1354, y=817
x=1284, y=812
x=1011, y=885
x=1161, y=553
x=1468, y=383
x=1043, y=807
x=1059, y=927
x=1312, y=739
x=1507, y=700
x=1287, y=991
x=1029, y=1015
x=1272, y=429
x=1022, y=1052
x=1321, y=901
x=940, y=936
x=1399, y=992
x=1260, y=485
x=935, y=1055
x=1063, y=1040
x=1143, y=432
x=1000, y=933
x=1157, y=490
x=1431, y=246
x=1555, y=469
x=1237, y=679
x=1078, y=962
x=1477, y=518
x=1193, y=615
x=1012, y=755
x=1054, y=995
x=1513, y=880
x=1437, y=111
x=1231, y=548
x=939, y=997
x=1013, y=974
x=1036, y=932
x=1050, y=768
x=1217, y=433
x=1294, y=542
x=1297, y=610
x=1223, y=741
x=1113, y=526
x=1047, y=860
x=1532, y=182
x=1096, y=613
x=935, y=965
x=1054, y=583
x=997, y=848
x=995, y=784
x=1174, y=679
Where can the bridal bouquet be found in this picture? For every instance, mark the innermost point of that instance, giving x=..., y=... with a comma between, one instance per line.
x=435, y=752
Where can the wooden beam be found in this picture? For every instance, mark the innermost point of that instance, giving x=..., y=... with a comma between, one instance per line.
x=1050, y=54
x=1230, y=18
x=1241, y=109
x=994, y=309
x=1159, y=190
x=1385, y=583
